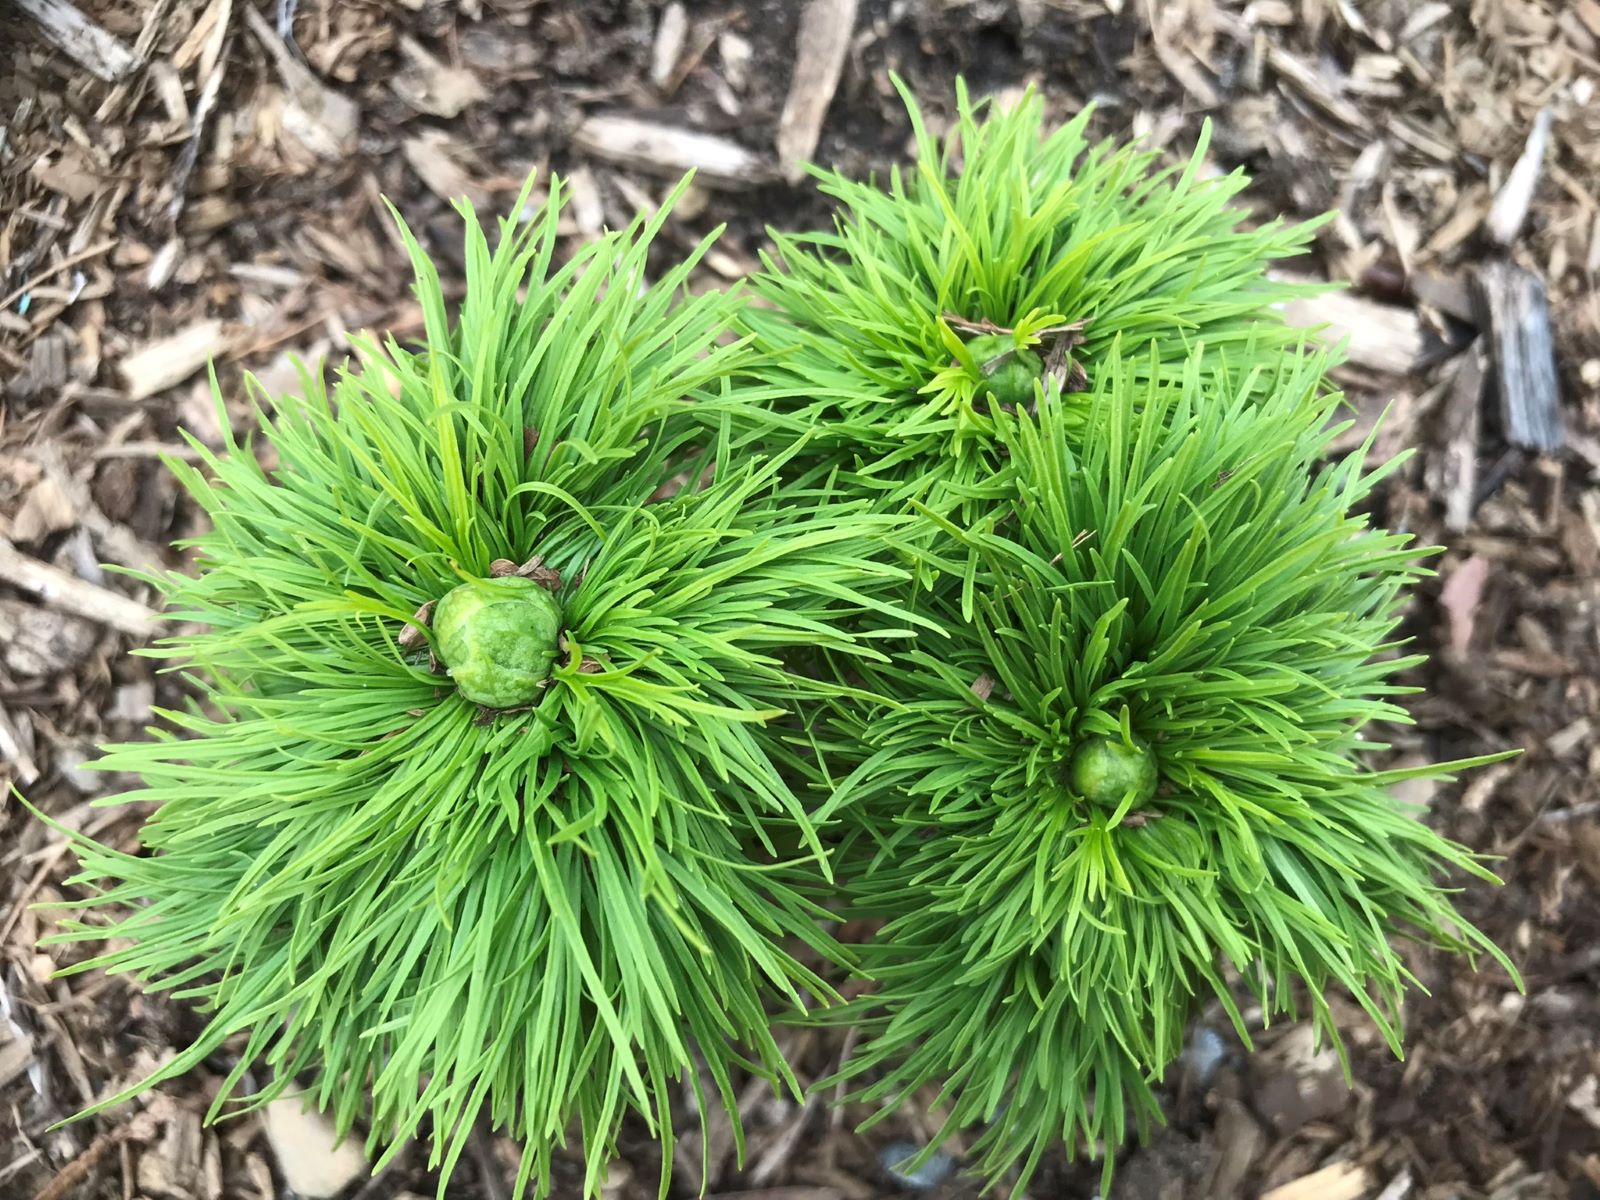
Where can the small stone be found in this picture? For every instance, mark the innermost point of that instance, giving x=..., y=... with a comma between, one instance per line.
x=930, y=1174
x=1204, y=1054
x=314, y=1162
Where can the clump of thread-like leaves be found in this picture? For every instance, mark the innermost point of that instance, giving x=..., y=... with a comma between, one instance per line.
x=1114, y=752
x=548, y=913
x=1006, y=262
x=1186, y=585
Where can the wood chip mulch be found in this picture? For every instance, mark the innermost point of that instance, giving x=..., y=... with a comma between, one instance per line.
x=189, y=179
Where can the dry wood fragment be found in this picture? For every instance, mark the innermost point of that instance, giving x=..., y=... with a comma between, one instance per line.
x=213, y=66
x=71, y=594
x=138, y=1128
x=172, y=1167
x=1450, y=294
x=158, y=365
x=1510, y=208
x=1381, y=337
x=321, y=119
x=1309, y=84
x=1458, y=467
x=1515, y=312
x=55, y=269
x=431, y=156
x=668, y=150
x=824, y=40
x=1336, y=1181
x=1241, y=1141
x=1180, y=66
x=79, y=38
x=16, y=751
x=664, y=54
x=1299, y=75
x=434, y=87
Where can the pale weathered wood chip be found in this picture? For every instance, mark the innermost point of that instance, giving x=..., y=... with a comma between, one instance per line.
x=434, y=87
x=79, y=38
x=160, y=364
x=824, y=40
x=314, y=1162
x=1462, y=422
x=73, y=595
x=1510, y=209
x=1381, y=337
x=671, y=31
x=669, y=150
x=1336, y=1181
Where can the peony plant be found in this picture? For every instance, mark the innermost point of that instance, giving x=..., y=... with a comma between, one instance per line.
x=571, y=671
x=1006, y=262
x=482, y=805
x=1138, y=773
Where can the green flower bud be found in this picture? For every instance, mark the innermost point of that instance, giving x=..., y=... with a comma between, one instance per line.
x=1103, y=770
x=1010, y=370
x=497, y=637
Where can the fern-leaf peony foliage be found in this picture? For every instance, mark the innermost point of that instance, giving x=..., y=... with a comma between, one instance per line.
x=1007, y=260
x=1138, y=763
x=570, y=673
x=479, y=810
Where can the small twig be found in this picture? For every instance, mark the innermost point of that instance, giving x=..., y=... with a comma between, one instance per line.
x=1561, y=816
x=16, y=1166
x=71, y=594
x=70, y=260
x=137, y=1128
x=20, y=904
x=181, y=451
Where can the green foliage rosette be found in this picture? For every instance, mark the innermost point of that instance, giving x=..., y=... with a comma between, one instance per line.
x=1141, y=761
x=479, y=810
x=1008, y=261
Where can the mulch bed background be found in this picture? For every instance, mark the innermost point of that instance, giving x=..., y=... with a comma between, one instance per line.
x=217, y=192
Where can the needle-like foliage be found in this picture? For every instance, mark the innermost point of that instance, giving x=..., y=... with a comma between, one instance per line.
x=1137, y=762
x=551, y=912
x=490, y=801
x=1005, y=261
